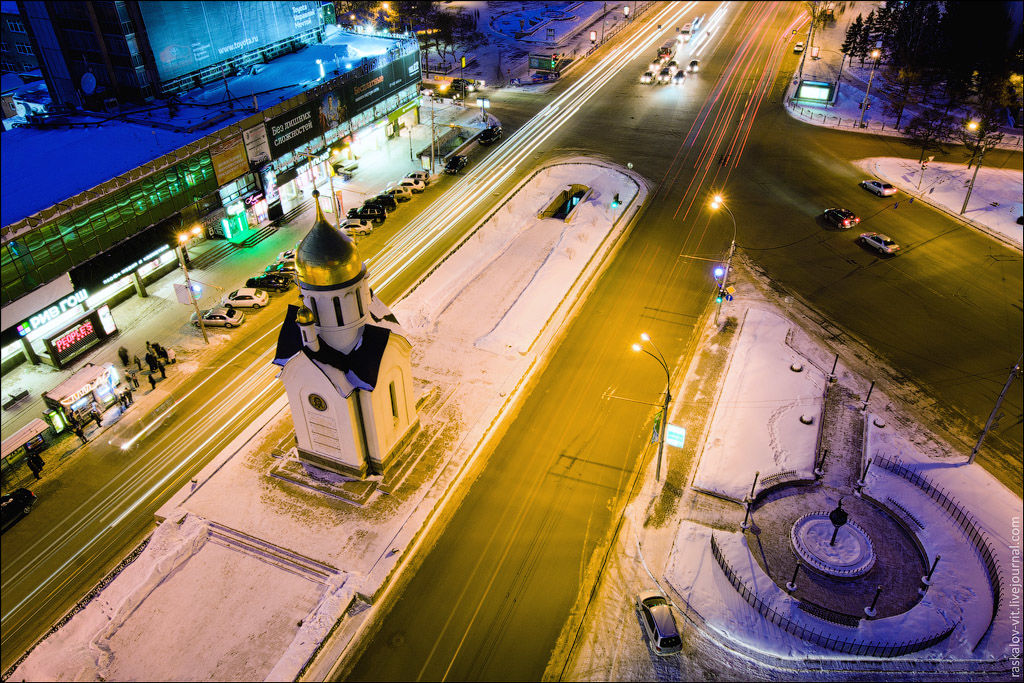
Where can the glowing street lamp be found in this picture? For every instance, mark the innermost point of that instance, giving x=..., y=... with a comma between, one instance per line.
x=974, y=127
x=183, y=239
x=663, y=427
x=718, y=202
x=875, y=54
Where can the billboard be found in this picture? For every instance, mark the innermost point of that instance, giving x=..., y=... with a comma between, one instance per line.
x=186, y=36
x=293, y=128
x=229, y=160
x=363, y=92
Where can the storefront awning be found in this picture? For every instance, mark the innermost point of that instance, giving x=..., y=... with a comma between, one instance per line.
x=23, y=436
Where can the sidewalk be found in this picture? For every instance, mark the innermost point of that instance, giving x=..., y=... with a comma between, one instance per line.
x=220, y=267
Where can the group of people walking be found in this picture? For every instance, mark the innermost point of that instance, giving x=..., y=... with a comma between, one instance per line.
x=157, y=358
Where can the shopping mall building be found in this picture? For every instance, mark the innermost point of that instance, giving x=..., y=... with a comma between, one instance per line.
x=93, y=201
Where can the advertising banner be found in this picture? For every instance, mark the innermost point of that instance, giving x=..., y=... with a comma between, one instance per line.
x=229, y=160
x=362, y=93
x=293, y=128
x=256, y=146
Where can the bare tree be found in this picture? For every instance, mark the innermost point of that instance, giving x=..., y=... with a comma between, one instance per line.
x=929, y=131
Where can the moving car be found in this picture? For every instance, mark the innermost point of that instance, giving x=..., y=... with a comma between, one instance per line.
x=460, y=87
x=16, y=505
x=665, y=75
x=883, y=244
x=357, y=226
x=799, y=47
x=659, y=624
x=648, y=77
x=490, y=135
x=456, y=163
x=274, y=282
x=841, y=218
x=878, y=187
x=694, y=66
x=679, y=77
x=247, y=297
x=370, y=212
x=220, y=317
x=421, y=176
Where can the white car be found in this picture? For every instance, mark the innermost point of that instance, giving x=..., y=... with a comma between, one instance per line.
x=422, y=176
x=220, y=317
x=878, y=187
x=247, y=297
x=357, y=226
x=799, y=47
x=401, y=193
x=413, y=184
x=883, y=244
x=286, y=256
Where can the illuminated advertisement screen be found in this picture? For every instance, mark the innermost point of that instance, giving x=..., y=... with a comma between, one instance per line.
x=815, y=92
x=74, y=340
x=186, y=35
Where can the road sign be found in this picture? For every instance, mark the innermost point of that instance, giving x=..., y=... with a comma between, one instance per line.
x=675, y=436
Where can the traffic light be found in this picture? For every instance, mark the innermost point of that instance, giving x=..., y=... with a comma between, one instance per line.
x=615, y=201
x=719, y=296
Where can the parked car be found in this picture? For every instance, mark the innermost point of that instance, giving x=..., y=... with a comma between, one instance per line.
x=648, y=77
x=679, y=77
x=15, y=505
x=400, y=194
x=456, y=163
x=384, y=201
x=841, y=218
x=415, y=185
x=357, y=226
x=370, y=212
x=799, y=47
x=286, y=256
x=220, y=317
x=422, y=176
x=274, y=282
x=658, y=622
x=694, y=66
x=490, y=135
x=279, y=268
x=246, y=297
x=878, y=187
x=883, y=244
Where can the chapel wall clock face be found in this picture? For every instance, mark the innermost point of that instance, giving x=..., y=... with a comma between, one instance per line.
x=317, y=401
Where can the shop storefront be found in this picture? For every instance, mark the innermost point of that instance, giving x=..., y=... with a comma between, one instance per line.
x=74, y=396
x=64, y=331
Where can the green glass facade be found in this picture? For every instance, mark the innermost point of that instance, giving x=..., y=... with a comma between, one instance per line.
x=41, y=255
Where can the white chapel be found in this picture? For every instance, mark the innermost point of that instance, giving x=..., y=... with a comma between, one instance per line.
x=345, y=359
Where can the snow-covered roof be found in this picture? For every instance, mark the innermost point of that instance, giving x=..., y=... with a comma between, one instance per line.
x=43, y=167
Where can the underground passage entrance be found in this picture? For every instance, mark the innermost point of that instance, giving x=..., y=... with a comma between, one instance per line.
x=565, y=202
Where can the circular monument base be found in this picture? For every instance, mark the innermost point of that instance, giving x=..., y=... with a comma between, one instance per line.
x=852, y=555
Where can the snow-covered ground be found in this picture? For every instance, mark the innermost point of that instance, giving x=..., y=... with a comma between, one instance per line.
x=250, y=571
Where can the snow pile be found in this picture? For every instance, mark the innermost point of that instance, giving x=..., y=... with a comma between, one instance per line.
x=759, y=419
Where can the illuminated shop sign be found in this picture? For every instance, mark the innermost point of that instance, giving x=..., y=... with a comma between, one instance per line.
x=52, y=312
x=815, y=91
x=74, y=339
x=135, y=264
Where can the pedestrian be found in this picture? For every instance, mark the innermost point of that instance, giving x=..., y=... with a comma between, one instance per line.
x=79, y=432
x=162, y=352
x=152, y=382
x=133, y=378
x=122, y=400
x=171, y=356
x=138, y=362
x=124, y=356
x=163, y=373
x=149, y=348
x=128, y=394
x=32, y=465
x=96, y=416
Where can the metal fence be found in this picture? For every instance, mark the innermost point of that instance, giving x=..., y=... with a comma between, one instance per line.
x=965, y=521
x=826, y=640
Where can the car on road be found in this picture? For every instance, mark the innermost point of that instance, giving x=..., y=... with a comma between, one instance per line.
x=422, y=176
x=460, y=87
x=246, y=297
x=840, y=218
x=284, y=269
x=220, y=317
x=694, y=66
x=878, y=187
x=456, y=163
x=384, y=201
x=679, y=77
x=658, y=622
x=399, y=194
x=673, y=65
x=883, y=244
x=357, y=226
x=665, y=75
x=798, y=48
x=648, y=77
x=370, y=212
x=16, y=505
x=490, y=135
x=274, y=282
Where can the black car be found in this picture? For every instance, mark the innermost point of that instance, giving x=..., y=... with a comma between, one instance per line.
x=456, y=163
x=369, y=212
x=460, y=87
x=282, y=269
x=274, y=282
x=490, y=135
x=841, y=218
x=16, y=505
x=383, y=200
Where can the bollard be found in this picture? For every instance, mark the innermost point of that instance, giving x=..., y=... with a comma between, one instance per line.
x=832, y=375
x=746, y=517
x=820, y=468
x=868, y=397
x=791, y=586
x=754, y=485
x=870, y=611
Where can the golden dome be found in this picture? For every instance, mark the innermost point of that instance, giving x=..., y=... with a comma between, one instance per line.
x=304, y=316
x=327, y=257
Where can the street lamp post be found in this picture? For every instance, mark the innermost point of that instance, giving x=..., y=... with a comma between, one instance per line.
x=807, y=48
x=433, y=135
x=974, y=126
x=668, y=397
x=184, y=239
x=717, y=202
x=875, y=54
